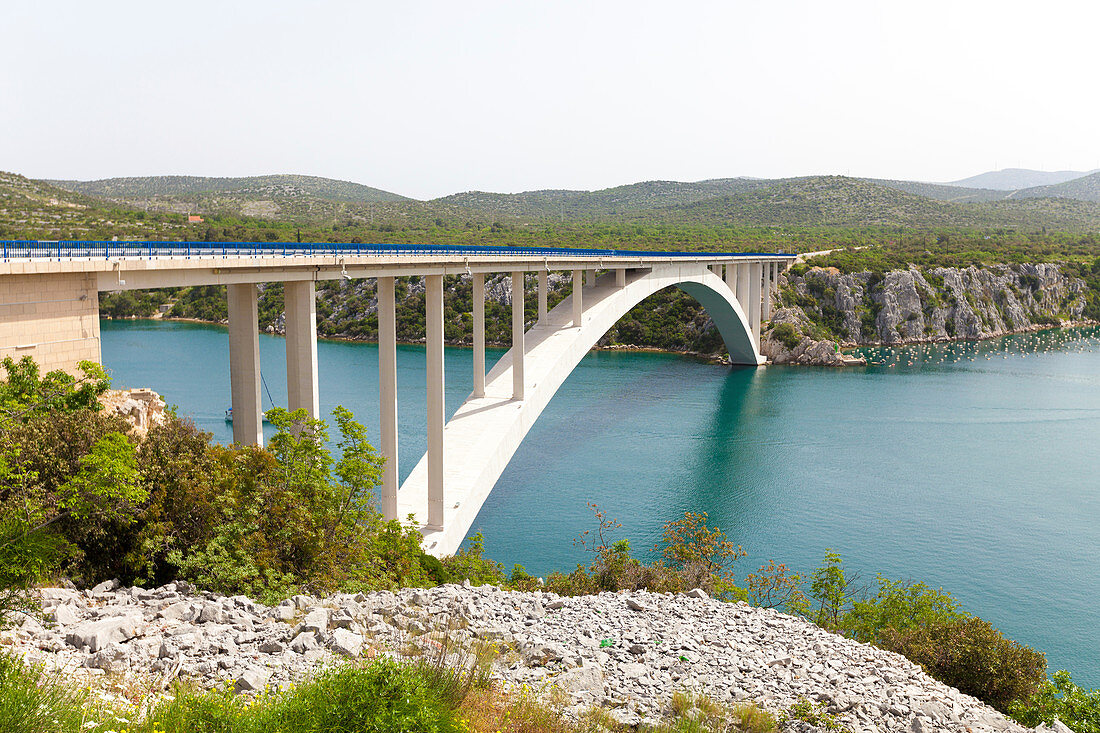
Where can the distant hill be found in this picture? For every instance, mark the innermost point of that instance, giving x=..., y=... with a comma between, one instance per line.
x=1014, y=179
x=253, y=187
x=941, y=191
x=589, y=205
x=32, y=209
x=300, y=199
x=853, y=202
x=814, y=201
x=275, y=206
x=1085, y=188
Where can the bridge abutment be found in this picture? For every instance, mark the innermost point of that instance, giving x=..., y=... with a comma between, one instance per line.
x=53, y=318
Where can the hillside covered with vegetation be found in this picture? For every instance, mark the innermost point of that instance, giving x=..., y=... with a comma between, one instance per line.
x=305, y=201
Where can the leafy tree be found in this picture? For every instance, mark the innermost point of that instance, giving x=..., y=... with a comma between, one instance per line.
x=689, y=541
x=180, y=472
x=106, y=486
x=24, y=391
x=470, y=563
x=290, y=517
x=1060, y=699
x=900, y=606
x=39, y=498
x=774, y=586
x=832, y=590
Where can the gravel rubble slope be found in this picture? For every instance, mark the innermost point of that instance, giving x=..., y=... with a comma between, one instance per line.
x=627, y=652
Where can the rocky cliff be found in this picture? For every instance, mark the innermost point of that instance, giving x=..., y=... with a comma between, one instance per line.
x=142, y=408
x=820, y=304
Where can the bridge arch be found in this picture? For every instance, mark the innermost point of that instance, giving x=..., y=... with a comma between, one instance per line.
x=485, y=432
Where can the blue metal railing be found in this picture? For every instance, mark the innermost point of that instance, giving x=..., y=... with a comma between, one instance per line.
x=73, y=249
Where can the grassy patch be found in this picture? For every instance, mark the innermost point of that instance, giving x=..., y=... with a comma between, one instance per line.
x=34, y=701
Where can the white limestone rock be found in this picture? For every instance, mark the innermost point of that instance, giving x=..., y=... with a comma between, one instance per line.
x=346, y=643
x=97, y=635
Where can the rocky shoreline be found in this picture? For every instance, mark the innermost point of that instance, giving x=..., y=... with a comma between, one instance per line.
x=823, y=311
x=626, y=652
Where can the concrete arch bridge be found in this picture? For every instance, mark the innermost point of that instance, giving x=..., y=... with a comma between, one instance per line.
x=49, y=309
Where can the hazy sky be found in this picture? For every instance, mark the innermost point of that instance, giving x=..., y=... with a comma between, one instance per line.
x=430, y=98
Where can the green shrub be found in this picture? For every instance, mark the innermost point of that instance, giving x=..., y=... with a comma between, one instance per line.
x=25, y=392
x=787, y=335
x=520, y=579
x=693, y=556
x=1060, y=699
x=925, y=625
x=181, y=472
x=470, y=563
x=974, y=657
x=899, y=606
x=814, y=713
x=292, y=518
x=382, y=696
x=832, y=592
x=433, y=567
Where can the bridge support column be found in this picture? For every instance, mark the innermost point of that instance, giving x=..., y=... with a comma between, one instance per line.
x=620, y=278
x=756, y=274
x=767, y=291
x=590, y=278
x=578, y=306
x=743, y=287
x=517, y=335
x=433, y=323
x=479, y=334
x=244, y=364
x=387, y=394
x=300, y=299
x=731, y=278
x=544, y=287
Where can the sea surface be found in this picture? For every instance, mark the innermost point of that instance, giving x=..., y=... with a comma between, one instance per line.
x=972, y=466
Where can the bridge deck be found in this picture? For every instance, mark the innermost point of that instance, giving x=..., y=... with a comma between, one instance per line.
x=144, y=265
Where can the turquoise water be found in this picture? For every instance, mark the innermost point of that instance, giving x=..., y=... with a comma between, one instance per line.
x=968, y=466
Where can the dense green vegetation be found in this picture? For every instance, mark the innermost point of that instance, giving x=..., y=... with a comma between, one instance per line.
x=136, y=303
x=962, y=249
x=80, y=494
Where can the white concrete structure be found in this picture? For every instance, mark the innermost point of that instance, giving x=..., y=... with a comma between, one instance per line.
x=465, y=456
x=486, y=430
